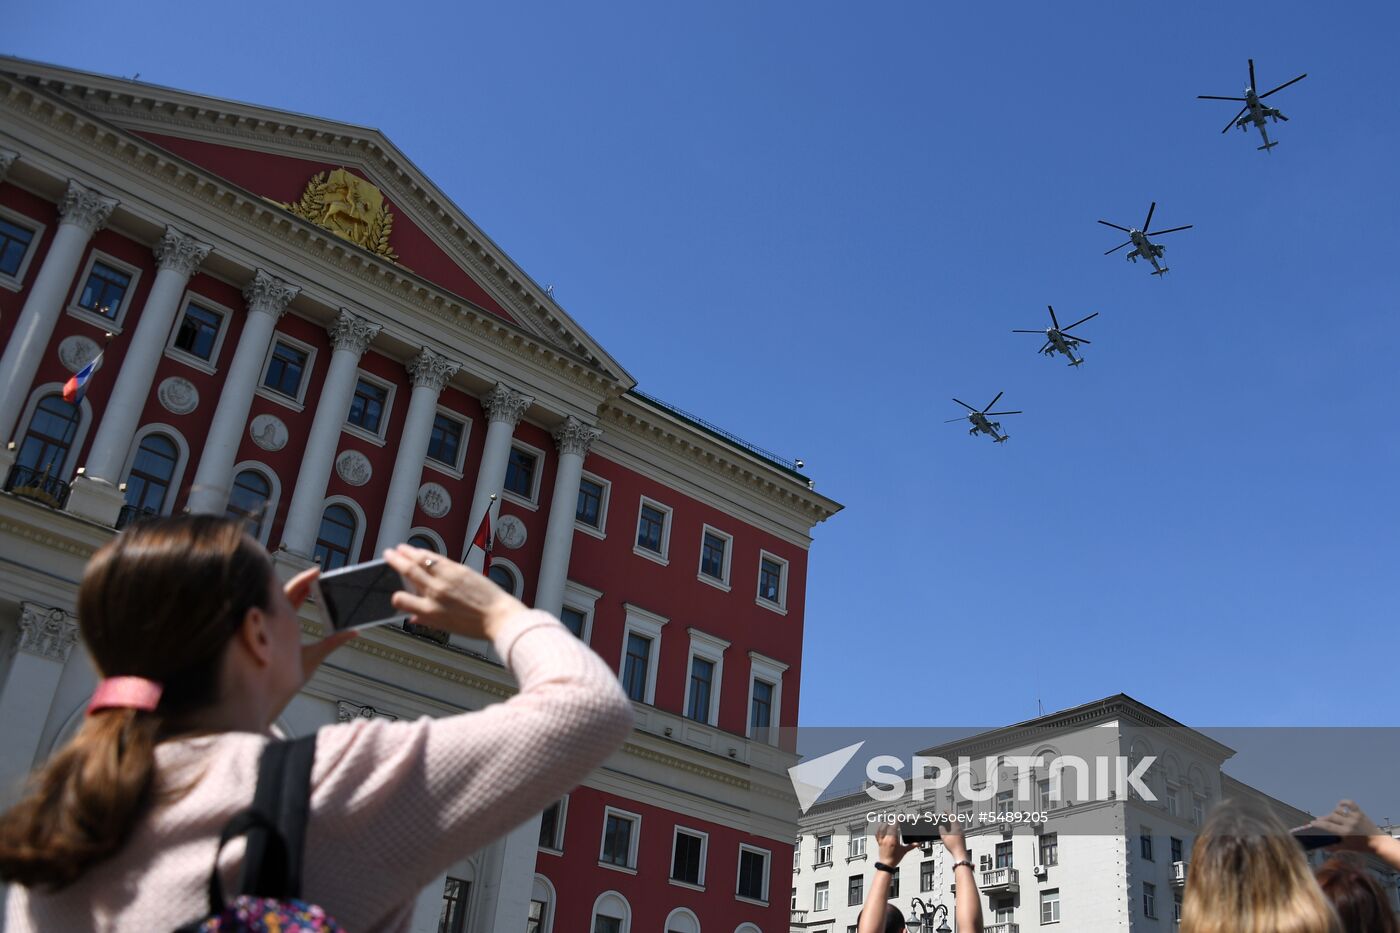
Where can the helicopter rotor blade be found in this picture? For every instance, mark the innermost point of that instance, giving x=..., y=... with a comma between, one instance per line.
x=1079, y=340
x=999, y=413
x=959, y=418
x=1080, y=321
x=964, y=404
x=1148, y=222
x=1028, y=332
x=1282, y=86
x=1233, y=120
x=994, y=401
x=1044, y=348
x=1213, y=97
x=1054, y=319
x=1252, y=82
x=1115, y=226
x=1172, y=230
x=1118, y=247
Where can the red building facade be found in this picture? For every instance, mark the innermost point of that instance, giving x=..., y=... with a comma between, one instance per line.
x=305, y=332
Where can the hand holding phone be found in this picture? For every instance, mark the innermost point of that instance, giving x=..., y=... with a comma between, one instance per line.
x=359, y=596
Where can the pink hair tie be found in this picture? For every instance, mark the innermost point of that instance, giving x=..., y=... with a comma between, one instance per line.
x=125, y=693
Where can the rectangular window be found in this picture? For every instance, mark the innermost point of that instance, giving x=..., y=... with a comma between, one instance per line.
x=445, y=443
x=1003, y=911
x=552, y=827
x=1145, y=842
x=1173, y=805
x=1176, y=850
x=14, y=244
x=753, y=874
x=1005, y=803
x=857, y=845
x=618, y=841
x=770, y=581
x=634, y=671
x=712, y=551
x=590, y=503
x=1042, y=796
x=455, y=901
x=520, y=473
x=702, y=676
x=537, y=917
x=285, y=370
x=821, y=895
x=1050, y=849
x=1003, y=855
x=761, y=717
x=603, y=924
x=199, y=331
x=824, y=849
x=573, y=620
x=367, y=406
x=1050, y=906
x=1149, y=899
x=688, y=858
x=104, y=290
x=651, y=529
x=855, y=891
x=894, y=885
x=1198, y=809
x=926, y=874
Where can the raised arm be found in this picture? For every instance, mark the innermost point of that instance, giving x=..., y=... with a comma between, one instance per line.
x=872, y=915
x=1359, y=833
x=967, y=899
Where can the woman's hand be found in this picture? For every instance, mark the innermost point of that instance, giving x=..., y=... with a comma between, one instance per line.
x=312, y=654
x=448, y=595
x=950, y=830
x=1348, y=821
x=891, y=849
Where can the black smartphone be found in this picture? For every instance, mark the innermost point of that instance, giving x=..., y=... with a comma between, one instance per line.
x=920, y=832
x=359, y=596
x=1311, y=838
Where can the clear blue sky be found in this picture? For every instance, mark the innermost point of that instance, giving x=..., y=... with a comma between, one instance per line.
x=816, y=222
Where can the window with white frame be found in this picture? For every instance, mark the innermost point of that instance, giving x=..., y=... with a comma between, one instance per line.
x=1145, y=842
x=715, y=547
x=703, y=677
x=1003, y=911
x=579, y=604
x=151, y=477
x=251, y=498
x=856, y=845
x=1173, y=803
x=1198, y=809
x=753, y=873
x=688, y=850
x=1050, y=849
x=621, y=831
x=772, y=581
x=456, y=901
x=104, y=291
x=1149, y=899
x=591, y=513
x=821, y=896
x=198, y=334
x=611, y=914
x=653, y=530
x=823, y=850
x=641, y=646
x=287, y=371
x=765, y=697
x=337, y=541
x=1050, y=906
x=447, y=444
x=927, y=875
x=552, y=825
x=523, y=469
x=18, y=236
x=368, y=416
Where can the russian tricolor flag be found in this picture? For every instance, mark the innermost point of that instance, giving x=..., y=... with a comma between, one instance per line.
x=74, y=388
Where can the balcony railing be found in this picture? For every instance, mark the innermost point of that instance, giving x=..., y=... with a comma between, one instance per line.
x=1006, y=880
x=1007, y=927
x=1179, y=872
x=40, y=486
x=132, y=514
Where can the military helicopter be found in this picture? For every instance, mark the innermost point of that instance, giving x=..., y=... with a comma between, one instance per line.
x=980, y=424
x=1058, y=340
x=1139, y=239
x=1253, y=111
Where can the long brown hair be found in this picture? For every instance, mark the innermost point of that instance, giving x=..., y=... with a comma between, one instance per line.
x=1360, y=901
x=161, y=601
x=1248, y=875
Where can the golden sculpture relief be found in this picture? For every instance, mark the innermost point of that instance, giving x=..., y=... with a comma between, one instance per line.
x=350, y=207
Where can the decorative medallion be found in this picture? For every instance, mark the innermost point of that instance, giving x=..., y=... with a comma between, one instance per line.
x=178, y=395
x=268, y=432
x=345, y=711
x=353, y=467
x=348, y=206
x=510, y=531
x=434, y=500
x=76, y=352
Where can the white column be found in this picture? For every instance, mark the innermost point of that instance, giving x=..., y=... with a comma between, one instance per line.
x=267, y=297
x=573, y=439
x=350, y=336
x=504, y=408
x=177, y=256
x=84, y=212
x=506, y=877
x=430, y=372
x=7, y=158
x=46, y=639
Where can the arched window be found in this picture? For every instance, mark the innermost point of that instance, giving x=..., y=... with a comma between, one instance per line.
x=424, y=542
x=682, y=920
x=540, y=916
x=336, y=537
x=611, y=914
x=502, y=577
x=148, y=483
x=45, y=445
x=248, y=500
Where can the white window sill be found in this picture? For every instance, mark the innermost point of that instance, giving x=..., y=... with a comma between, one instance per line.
x=748, y=900
x=443, y=468
x=278, y=398
x=685, y=884
x=106, y=324
x=622, y=868
x=651, y=555
x=821, y=864
x=355, y=430
x=190, y=360
x=11, y=284
x=519, y=500
x=548, y=851
x=590, y=530
x=852, y=858
x=717, y=584
x=771, y=606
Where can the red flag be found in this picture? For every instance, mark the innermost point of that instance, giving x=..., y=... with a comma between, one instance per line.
x=483, y=541
x=74, y=388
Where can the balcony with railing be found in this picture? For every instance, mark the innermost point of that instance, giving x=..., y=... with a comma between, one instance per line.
x=1001, y=881
x=132, y=514
x=40, y=486
x=1006, y=927
x=1179, y=873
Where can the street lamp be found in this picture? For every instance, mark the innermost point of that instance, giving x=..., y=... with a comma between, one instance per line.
x=926, y=916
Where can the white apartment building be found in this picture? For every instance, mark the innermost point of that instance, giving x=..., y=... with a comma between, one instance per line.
x=1103, y=861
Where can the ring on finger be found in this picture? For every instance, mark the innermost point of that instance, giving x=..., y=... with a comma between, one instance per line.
x=428, y=563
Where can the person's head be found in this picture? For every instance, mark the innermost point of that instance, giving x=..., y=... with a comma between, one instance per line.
x=1359, y=899
x=894, y=920
x=193, y=604
x=1248, y=875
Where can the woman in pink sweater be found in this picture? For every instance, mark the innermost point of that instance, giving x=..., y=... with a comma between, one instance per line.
x=120, y=827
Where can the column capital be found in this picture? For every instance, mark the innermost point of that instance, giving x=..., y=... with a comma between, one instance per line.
x=180, y=252
x=575, y=437
x=505, y=404
x=47, y=632
x=269, y=294
x=85, y=208
x=431, y=369
x=351, y=332
x=7, y=158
